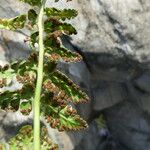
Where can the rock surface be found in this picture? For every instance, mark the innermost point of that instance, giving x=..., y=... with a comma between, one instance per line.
x=113, y=37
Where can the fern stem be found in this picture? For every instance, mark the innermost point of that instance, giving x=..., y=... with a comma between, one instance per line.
x=36, y=103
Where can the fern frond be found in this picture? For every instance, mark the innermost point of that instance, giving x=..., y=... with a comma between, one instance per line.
x=54, y=91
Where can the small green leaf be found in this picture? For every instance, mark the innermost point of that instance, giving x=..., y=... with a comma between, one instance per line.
x=52, y=40
x=62, y=54
x=67, y=28
x=32, y=2
x=26, y=107
x=49, y=41
x=10, y=100
x=6, y=75
x=21, y=67
x=61, y=14
x=32, y=16
x=13, y=23
x=24, y=70
x=34, y=38
x=52, y=25
x=24, y=140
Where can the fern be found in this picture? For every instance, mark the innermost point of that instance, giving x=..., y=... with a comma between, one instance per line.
x=24, y=140
x=54, y=92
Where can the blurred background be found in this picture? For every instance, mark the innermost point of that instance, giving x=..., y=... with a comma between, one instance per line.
x=114, y=40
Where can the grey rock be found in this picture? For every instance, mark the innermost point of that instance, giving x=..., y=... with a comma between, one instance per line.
x=145, y=103
x=107, y=94
x=10, y=123
x=129, y=125
x=91, y=135
x=114, y=27
x=143, y=82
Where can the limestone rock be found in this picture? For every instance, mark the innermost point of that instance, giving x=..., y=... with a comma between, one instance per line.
x=143, y=82
x=129, y=125
x=107, y=94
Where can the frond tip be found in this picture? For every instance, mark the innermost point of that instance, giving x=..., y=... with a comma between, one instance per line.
x=64, y=119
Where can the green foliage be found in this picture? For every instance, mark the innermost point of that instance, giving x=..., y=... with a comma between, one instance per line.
x=24, y=140
x=60, y=14
x=32, y=2
x=32, y=17
x=6, y=74
x=61, y=53
x=52, y=25
x=13, y=23
x=63, y=118
x=59, y=93
x=63, y=83
x=11, y=100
